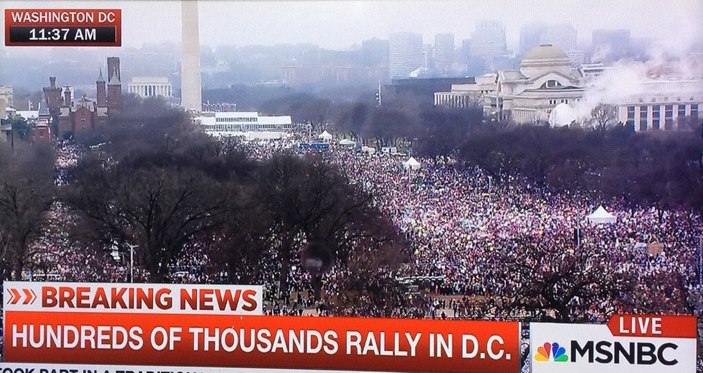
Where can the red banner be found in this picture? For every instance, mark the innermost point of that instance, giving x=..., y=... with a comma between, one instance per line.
x=262, y=342
x=133, y=298
x=665, y=326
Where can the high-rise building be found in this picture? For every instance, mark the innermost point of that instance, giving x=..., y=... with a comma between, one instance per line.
x=374, y=52
x=404, y=54
x=488, y=40
x=191, y=84
x=465, y=53
x=472, y=66
x=530, y=35
x=640, y=48
x=610, y=45
x=443, y=52
x=561, y=36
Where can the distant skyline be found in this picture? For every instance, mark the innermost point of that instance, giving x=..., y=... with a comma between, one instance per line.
x=341, y=24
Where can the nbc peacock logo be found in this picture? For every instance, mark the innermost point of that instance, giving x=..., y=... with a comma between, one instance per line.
x=551, y=351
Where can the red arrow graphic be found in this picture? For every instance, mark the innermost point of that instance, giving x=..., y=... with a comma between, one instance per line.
x=16, y=299
x=28, y=294
x=16, y=296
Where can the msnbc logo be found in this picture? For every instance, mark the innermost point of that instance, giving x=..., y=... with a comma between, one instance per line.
x=557, y=352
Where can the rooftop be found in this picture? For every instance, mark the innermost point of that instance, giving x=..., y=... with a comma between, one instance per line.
x=544, y=52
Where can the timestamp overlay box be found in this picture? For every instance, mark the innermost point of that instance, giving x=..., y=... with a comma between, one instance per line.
x=63, y=27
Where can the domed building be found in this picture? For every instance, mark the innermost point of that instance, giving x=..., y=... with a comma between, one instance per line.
x=663, y=97
x=545, y=79
x=544, y=59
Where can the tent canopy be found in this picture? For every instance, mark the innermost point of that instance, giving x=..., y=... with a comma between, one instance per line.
x=347, y=142
x=411, y=164
x=601, y=216
x=325, y=136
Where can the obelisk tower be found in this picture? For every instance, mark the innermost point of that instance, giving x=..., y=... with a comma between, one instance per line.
x=191, y=98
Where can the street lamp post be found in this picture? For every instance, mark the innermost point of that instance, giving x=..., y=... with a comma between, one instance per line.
x=131, y=262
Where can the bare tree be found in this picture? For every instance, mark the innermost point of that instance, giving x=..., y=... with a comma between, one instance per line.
x=603, y=117
x=158, y=208
x=317, y=216
x=554, y=281
x=26, y=193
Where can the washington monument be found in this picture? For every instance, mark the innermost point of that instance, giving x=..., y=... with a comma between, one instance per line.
x=191, y=98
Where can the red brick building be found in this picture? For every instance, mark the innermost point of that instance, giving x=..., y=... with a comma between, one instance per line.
x=70, y=115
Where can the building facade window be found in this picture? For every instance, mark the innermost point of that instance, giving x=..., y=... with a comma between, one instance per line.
x=655, y=116
x=694, y=111
x=669, y=117
x=644, y=113
x=630, y=116
x=682, y=111
x=551, y=84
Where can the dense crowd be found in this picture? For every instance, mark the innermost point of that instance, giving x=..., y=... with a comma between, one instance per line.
x=456, y=217
x=462, y=225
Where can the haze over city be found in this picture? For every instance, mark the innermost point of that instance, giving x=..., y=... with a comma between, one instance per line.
x=341, y=24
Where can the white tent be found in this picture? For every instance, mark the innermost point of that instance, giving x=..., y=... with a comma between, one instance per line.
x=411, y=164
x=601, y=216
x=325, y=136
x=369, y=150
x=347, y=142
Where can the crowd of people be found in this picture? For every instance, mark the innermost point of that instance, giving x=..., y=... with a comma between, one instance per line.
x=462, y=225
x=457, y=217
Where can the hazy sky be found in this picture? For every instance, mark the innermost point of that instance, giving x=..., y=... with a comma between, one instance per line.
x=340, y=24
